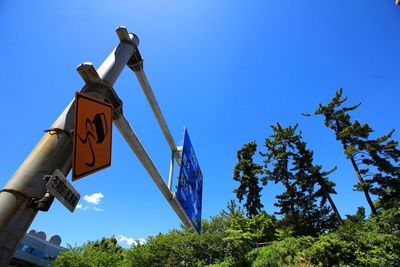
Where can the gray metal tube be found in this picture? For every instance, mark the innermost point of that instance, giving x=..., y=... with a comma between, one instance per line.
x=131, y=138
x=54, y=151
x=144, y=83
x=171, y=171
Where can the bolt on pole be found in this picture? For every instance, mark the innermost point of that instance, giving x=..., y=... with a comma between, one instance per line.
x=20, y=196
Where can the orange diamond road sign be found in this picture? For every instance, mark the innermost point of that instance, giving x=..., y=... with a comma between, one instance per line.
x=92, y=138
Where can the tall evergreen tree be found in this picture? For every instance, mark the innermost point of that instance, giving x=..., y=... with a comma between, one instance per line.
x=279, y=151
x=246, y=172
x=312, y=174
x=380, y=159
x=288, y=161
x=375, y=161
x=326, y=189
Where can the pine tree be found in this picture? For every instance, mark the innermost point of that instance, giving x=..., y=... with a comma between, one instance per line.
x=288, y=161
x=246, y=173
x=314, y=175
x=375, y=161
x=326, y=189
x=279, y=151
x=380, y=160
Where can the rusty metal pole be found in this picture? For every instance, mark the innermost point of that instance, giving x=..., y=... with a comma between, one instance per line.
x=20, y=197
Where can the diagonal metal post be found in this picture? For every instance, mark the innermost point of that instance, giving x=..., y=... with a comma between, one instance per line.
x=136, y=64
x=131, y=138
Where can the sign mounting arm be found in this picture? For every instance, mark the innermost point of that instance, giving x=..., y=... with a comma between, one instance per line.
x=136, y=65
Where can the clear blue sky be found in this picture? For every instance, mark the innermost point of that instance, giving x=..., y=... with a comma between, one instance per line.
x=225, y=69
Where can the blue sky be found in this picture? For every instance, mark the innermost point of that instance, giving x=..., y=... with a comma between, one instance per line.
x=226, y=70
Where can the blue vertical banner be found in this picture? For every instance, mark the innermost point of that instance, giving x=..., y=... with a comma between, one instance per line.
x=190, y=185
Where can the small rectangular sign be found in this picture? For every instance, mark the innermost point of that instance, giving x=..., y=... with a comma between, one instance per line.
x=190, y=185
x=61, y=189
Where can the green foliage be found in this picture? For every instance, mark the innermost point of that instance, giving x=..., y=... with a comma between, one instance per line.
x=389, y=219
x=288, y=161
x=140, y=255
x=358, y=217
x=226, y=239
x=372, y=242
x=230, y=240
x=228, y=262
x=330, y=251
x=172, y=249
x=359, y=244
x=103, y=252
x=72, y=257
x=184, y=247
x=246, y=173
x=243, y=234
x=287, y=252
x=380, y=160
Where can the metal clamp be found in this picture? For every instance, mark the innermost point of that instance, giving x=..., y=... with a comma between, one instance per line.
x=57, y=131
x=95, y=84
x=135, y=63
x=44, y=203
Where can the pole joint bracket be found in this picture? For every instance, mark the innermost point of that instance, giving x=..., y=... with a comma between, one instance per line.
x=94, y=84
x=44, y=203
x=127, y=37
x=135, y=63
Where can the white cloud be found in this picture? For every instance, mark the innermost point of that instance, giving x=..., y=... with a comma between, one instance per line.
x=93, y=198
x=130, y=241
x=97, y=209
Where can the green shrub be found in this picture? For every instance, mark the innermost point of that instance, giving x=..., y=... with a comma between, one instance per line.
x=330, y=250
x=228, y=262
x=365, y=243
x=289, y=251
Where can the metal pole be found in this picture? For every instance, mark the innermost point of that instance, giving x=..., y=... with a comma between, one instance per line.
x=131, y=138
x=136, y=64
x=171, y=171
x=54, y=151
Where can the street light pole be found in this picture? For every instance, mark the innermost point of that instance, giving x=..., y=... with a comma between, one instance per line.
x=25, y=193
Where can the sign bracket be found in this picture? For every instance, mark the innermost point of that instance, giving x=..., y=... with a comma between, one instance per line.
x=171, y=166
x=171, y=171
x=94, y=84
